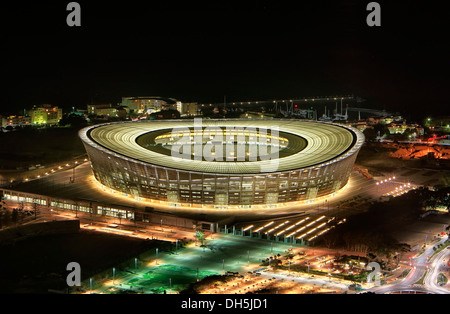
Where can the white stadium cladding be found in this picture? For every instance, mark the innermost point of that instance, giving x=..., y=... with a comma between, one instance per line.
x=315, y=160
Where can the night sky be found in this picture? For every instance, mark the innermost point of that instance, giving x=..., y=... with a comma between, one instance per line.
x=201, y=51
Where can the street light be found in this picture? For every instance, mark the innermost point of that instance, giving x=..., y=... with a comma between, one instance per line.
x=114, y=274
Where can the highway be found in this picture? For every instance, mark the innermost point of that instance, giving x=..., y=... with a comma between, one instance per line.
x=438, y=265
x=421, y=267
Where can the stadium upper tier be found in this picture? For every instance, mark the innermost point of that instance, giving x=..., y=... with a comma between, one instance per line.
x=301, y=144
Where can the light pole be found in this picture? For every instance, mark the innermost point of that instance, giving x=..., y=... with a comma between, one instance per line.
x=90, y=285
x=156, y=256
x=114, y=274
x=170, y=285
x=223, y=266
x=135, y=263
x=248, y=258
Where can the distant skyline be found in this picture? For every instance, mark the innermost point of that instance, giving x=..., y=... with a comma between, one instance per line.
x=265, y=50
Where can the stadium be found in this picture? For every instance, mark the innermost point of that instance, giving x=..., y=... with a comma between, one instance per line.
x=222, y=164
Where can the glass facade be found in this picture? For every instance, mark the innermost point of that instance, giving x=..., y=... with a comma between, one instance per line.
x=19, y=198
x=129, y=158
x=218, y=190
x=64, y=204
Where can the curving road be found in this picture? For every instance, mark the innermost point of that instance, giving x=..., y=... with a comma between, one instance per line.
x=437, y=266
x=421, y=267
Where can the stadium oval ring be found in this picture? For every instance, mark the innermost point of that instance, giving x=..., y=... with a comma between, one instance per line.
x=315, y=162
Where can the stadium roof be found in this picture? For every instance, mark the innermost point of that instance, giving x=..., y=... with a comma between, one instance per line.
x=326, y=143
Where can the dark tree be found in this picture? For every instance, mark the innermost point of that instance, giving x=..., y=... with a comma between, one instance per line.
x=74, y=120
x=370, y=134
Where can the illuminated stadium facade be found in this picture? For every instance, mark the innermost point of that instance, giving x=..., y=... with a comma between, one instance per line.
x=301, y=161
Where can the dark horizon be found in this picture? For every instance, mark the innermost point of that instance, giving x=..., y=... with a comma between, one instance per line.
x=201, y=52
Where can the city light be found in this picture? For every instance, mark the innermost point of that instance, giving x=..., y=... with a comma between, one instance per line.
x=230, y=173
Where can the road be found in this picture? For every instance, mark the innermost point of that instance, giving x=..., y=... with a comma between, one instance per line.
x=438, y=265
x=358, y=191
x=125, y=228
x=319, y=281
x=84, y=187
x=421, y=267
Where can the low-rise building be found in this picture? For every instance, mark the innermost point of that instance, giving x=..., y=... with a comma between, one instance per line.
x=188, y=108
x=107, y=110
x=148, y=105
x=45, y=114
x=102, y=110
x=385, y=120
x=398, y=128
x=3, y=122
x=15, y=121
x=415, y=129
